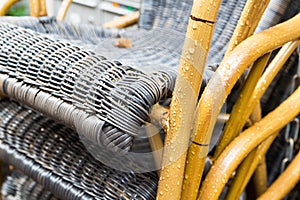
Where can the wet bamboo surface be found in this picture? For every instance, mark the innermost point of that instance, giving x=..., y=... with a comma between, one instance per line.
x=248, y=21
x=226, y=76
x=285, y=183
x=234, y=154
x=199, y=149
x=252, y=161
x=241, y=109
x=5, y=5
x=185, y=95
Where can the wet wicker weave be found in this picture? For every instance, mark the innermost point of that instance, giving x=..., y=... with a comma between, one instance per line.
x=54, y=157
x=19, y=186
x=101, y=99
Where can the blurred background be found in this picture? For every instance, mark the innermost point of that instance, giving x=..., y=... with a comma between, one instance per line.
x=94, y=12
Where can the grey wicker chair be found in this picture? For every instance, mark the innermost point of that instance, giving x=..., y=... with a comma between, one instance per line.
x=97, y=98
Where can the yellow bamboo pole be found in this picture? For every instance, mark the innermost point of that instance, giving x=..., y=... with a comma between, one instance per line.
x=62, y=11
x=223, y=81
x=185, y=95
x=35, y=8
x=43, y=8
x=5, y=5
x=240, y=114
x=249, y=165
x=123, y=21
x=285, y=183
x=247, y=168
x=235, y=124
x=260, y=176
x=247, y=23
x=234, y=154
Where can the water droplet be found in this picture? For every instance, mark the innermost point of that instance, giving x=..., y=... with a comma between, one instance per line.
x=178, y=166
x=161, y=193
x=186, y=68
x=194, y=26
x=171, y=159
x=196, y=43
x=191, y=50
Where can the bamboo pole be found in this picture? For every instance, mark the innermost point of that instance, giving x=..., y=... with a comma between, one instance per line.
x=260, y=175
x=5, y=5
x=240, y=113
x=234, y=154
x=123, y=21
x=235, y=124
x=185, y=95
x=286, y=181
x=43, y=8
x=247, y=23
x=246, y=170
x=35, y=8
x=63, y=9
x=223, y=81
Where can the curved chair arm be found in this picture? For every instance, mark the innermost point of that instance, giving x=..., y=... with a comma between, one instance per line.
x=5, y=5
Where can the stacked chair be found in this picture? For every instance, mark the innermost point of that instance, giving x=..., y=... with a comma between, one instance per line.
x=75, y=107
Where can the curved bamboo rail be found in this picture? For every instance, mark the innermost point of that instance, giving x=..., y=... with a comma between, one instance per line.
x=185, y=95
x=5, y=5
x=234, y=154
x=285, y=183
x=243, y=176
x=223, y=81
x=241, y=108
x=63, y=9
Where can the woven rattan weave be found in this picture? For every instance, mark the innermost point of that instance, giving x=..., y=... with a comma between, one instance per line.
x=54, y=156
x=103, y=100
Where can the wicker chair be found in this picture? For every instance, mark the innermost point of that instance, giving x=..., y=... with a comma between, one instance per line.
x=105, y=104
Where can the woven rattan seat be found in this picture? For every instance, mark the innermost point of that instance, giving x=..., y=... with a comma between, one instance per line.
x=66, y=168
